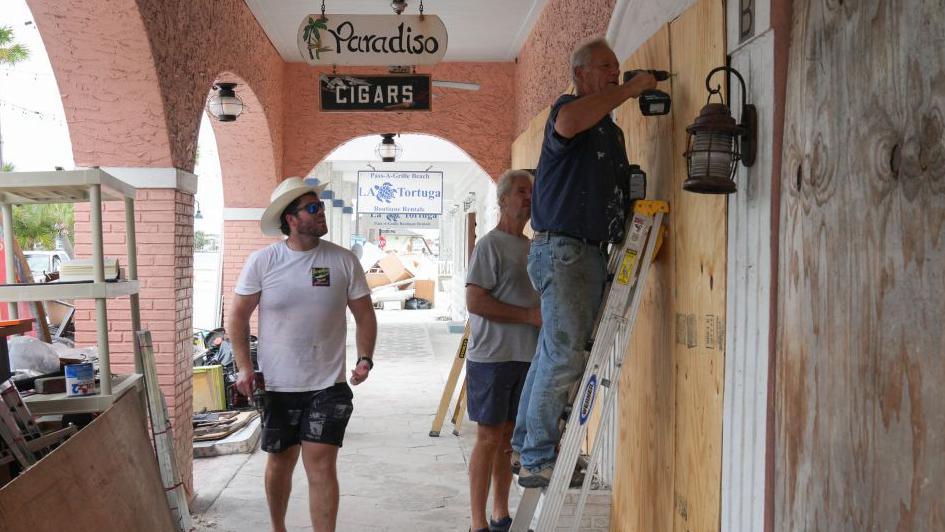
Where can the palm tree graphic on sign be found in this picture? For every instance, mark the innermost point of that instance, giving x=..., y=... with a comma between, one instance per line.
x=313, y=38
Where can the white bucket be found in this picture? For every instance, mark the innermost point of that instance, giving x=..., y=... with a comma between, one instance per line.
x=80, y=379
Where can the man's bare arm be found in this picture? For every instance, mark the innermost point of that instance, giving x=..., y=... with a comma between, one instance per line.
x=365, y=335
x=480, y=302
x=238, y=329
x=581, y=114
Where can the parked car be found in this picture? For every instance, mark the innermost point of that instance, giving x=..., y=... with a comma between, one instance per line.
x=44, y=262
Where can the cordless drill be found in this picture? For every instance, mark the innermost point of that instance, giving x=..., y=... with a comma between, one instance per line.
x=653, y=102
x=259, y=390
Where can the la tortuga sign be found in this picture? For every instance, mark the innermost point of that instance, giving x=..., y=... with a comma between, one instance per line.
x=372, y=40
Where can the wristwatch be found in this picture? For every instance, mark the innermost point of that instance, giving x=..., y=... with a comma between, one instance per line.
x=370, y=362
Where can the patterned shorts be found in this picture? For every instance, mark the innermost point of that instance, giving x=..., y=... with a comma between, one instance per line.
x=292, y=417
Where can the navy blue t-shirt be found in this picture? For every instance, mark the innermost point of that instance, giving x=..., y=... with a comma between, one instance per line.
x=582, y=185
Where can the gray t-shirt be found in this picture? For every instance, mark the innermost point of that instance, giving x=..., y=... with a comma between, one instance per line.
x=498, y=265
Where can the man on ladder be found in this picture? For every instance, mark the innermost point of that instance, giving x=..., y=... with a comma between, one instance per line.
x=504, y=318
x=582, y=194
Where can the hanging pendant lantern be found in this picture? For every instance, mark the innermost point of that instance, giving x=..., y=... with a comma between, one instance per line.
x=388, y=150
x=224, y=104
x=716, y=143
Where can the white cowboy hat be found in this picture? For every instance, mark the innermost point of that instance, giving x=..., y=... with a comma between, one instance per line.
x=281, y=197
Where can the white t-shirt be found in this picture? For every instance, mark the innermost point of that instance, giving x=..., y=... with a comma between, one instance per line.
x=302, y=328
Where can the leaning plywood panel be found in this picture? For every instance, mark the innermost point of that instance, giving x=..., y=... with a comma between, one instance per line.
x=643, y=484
x=103, y=478
x=527, y=146
x=860, y=430
x=697, y=44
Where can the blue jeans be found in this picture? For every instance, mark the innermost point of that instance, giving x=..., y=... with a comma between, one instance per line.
x=569, y=274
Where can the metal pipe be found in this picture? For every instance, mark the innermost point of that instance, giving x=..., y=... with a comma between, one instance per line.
x=9, y=254
x=132, y=275
x=98, y=270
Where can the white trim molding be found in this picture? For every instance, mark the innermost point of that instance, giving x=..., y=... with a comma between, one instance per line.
x=143, y=177
x=234, y=214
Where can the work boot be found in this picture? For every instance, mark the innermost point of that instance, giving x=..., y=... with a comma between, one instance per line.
x=516, y=461
x=541, y=479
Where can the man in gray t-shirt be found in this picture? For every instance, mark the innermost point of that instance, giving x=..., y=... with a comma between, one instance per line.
x=504, y=318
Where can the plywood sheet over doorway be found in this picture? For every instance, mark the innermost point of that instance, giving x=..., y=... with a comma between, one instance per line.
x=860, y=430
x=697, y=41
x=668, y=464
x=643, y=485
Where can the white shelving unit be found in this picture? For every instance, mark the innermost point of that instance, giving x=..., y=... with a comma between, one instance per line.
x=76, y=186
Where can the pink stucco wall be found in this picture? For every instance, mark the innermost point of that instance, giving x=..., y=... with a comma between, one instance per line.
x=249, y=163
x=476, y=121
x=134, y=76
x=542, y=71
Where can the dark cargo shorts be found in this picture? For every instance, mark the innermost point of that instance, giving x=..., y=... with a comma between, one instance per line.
x=493, y=390
x=292, y=417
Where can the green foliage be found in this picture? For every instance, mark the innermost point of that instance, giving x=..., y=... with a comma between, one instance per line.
x=38, y=225
x=312, y=36
x=11, y=54
x=200, y=240
x=8, y=167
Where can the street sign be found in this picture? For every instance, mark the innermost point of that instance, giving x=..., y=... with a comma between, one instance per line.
x=372, y=40
x=400, y=192
x=341, y=92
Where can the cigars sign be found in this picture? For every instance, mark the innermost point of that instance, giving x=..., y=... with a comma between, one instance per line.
x=367, y=40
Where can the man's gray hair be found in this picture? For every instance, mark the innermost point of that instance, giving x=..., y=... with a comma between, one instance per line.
x=581, y=55
x=508, y=178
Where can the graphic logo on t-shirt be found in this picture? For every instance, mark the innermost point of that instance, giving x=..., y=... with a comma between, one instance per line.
x=321, y=277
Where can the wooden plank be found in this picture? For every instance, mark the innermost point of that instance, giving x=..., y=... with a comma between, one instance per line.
x=697, y=44
x=527, y=146
x=860, y=430
x=104, y=474
x=643, y=485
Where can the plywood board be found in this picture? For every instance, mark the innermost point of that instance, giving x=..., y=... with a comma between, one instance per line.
x=697, y=41
x=860, y=429
x=103, y=478
x=643, y=485
x=527, y=147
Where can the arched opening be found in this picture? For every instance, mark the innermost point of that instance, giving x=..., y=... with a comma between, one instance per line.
x=208, y=232
x=432, y=245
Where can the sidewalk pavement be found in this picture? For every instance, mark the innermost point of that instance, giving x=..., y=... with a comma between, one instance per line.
x=393, y=476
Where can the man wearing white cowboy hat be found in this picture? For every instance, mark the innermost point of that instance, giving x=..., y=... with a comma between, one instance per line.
x=302, y=285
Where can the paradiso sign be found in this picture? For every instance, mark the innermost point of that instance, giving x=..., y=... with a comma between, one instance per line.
x=399, y=192
x=372, y=40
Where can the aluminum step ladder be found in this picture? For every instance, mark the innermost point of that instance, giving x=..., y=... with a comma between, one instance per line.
x=628, y=267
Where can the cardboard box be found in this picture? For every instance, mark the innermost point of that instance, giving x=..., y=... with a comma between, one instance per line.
x=376, y=279
x=424, y=289
x=394, y=268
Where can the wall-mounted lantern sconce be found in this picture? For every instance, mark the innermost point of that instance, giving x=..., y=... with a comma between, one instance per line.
x=197, y=214
x=388, y=150
x=469, y=200
x=717, y=142
x=224, y=104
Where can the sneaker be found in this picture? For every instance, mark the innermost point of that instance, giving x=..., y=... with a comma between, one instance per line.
x=541, y=479
x=527, y=479
x=502, y=525
x=516, y=460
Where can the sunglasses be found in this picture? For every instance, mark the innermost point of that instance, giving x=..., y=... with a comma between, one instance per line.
x=312, y=208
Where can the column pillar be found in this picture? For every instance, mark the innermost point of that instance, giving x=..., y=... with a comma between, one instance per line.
x=164, y=231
